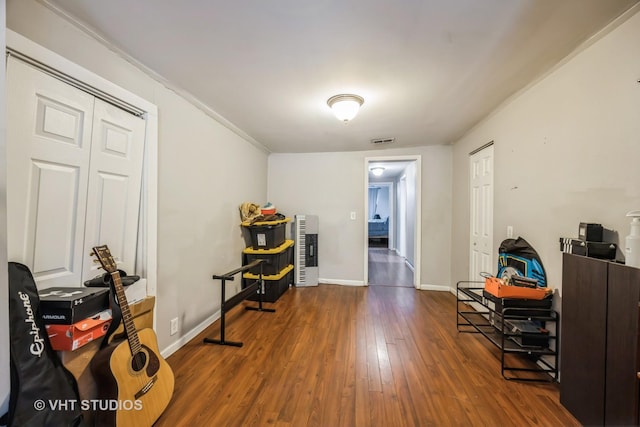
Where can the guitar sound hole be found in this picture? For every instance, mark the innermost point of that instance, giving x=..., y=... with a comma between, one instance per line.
x=138, y=361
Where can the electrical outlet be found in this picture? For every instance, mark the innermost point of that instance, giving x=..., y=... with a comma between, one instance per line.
x=174, y=326
x=509, y=231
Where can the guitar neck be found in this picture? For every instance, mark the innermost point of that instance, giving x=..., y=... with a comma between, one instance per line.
x=127, y=318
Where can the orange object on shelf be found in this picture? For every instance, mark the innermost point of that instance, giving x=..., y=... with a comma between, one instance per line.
x=72, y=337
x=498, y=288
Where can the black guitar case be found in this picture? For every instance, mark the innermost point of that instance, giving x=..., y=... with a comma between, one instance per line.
x=43, y=391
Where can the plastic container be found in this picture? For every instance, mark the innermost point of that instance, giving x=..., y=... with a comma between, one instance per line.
x=265, y=234
x=497, y=288
x=275, y=259
x=632, y=241
x=268, y=209
x=274, y=285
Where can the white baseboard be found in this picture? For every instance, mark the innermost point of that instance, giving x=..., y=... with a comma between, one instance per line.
x=361, y=283
x=436, y=288
x=176, y=345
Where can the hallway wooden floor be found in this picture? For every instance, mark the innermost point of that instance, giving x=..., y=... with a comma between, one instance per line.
x=352, y=356
x=388, y=268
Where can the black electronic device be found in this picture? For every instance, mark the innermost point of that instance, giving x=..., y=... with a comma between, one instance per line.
x=526, y=282
x=590, y=232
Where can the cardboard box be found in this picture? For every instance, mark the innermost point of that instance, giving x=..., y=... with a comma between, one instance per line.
x=142, y=313
x=72, y=337
x=77, y=362
x=68, y=305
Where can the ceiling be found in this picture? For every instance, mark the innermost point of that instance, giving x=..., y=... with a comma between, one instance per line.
x=393, y=169
x=429, y=70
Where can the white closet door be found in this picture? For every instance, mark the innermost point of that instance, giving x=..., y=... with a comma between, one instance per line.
x=114, y=185
x=481, y=213
x=48, y=149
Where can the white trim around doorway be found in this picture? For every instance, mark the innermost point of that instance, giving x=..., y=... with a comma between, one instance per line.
x=418, y=213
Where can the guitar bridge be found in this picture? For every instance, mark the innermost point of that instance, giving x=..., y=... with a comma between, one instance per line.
x=146, y=387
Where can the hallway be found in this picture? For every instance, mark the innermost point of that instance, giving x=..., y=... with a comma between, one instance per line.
x=386, y=268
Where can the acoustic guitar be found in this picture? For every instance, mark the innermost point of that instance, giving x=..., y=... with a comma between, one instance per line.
x=134, y=382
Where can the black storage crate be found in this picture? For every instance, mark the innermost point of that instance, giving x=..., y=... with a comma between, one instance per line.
x=274, y=285
x=534, y=304
x=265, y=234
x=527, y=333
x=275, y=259
x=516, y=306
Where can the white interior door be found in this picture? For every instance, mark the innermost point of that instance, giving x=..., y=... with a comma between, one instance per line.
x=73, y=177
x=481, y=214
x=115, y=177
x=48, y=150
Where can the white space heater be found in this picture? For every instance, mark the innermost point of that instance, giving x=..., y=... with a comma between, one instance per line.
x=305, y=250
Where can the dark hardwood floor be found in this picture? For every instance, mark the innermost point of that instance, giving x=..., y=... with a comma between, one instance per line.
x=352, y=356
x=388, y=268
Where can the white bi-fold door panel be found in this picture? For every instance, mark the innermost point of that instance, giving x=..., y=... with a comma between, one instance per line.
x=113, y=199
x=54, y=173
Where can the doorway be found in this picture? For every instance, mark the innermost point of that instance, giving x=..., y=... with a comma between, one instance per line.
x=392, y=226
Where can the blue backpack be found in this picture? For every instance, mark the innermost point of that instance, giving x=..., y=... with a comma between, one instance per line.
x=516, y=257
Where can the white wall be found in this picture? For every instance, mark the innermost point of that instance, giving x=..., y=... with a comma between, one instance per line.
x=5, y=384
x=566, y=150
x=331, y=185
x=204, y=172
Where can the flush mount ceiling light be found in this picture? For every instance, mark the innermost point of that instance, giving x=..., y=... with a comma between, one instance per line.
x=345, y=106
x=377, y=171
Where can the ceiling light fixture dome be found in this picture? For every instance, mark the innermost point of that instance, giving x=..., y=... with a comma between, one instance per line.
x=345, y=106
x=377, y=171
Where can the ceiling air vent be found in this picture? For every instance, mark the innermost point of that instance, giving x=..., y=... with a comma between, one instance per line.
x=382, y=141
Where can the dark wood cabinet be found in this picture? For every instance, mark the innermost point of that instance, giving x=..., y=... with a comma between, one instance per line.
x=621, y=396
x=599, y=348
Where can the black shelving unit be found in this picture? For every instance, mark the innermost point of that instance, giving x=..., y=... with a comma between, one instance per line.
x=475, y=313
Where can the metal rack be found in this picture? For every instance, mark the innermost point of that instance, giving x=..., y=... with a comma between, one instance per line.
x=475, y=314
